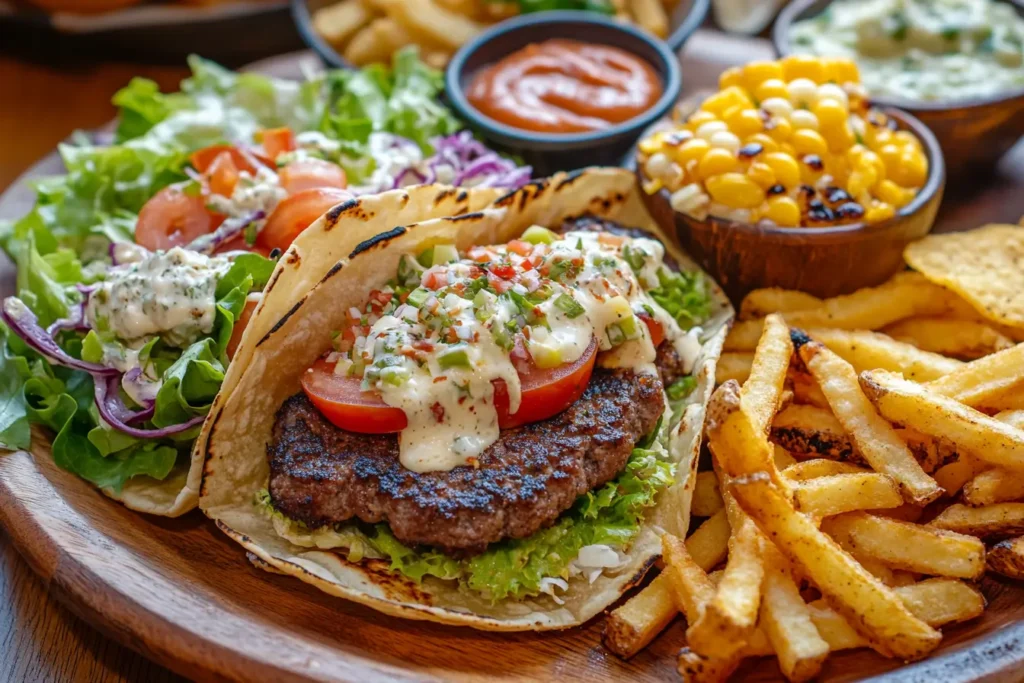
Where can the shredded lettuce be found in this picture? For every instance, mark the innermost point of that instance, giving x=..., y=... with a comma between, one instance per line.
x=610, y=515
x=684, y=296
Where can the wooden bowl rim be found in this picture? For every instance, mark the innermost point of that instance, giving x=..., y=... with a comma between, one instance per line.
x=796, y=10
x=933, y=185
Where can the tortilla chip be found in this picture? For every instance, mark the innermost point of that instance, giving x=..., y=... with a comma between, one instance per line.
x=985, y=266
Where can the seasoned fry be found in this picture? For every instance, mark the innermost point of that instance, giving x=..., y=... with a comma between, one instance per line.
x=630, y=627
x=706, y=498
x=696, y=668
x=806, y=391
x=377, y=42
x=762, y=302
x=871, y=350
x=431, y=24
x=872, y=608
x=912, y=547
x=959, y=338
x=787, y=621
x=991, y=521
x=820, y=467
x=875, y=439
x=813, y=432
x=783, y=458
x=953, y=476
x=982, y=382
x=1014, y=418
x=709, y=544
x=998, y=485
x=339, y=22
x=649, y=14
x=839, y=493
x=932, y=413
x=1007, y=558
x=733, y=366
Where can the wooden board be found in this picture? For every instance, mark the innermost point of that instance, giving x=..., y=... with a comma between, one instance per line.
x=183, y=594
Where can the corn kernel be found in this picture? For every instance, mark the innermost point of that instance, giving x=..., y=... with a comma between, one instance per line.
x=716, y=162
x=756, y=73
x=735, y=190
x=779, y=129
x=878, y=137
x=745, y=122
x=841, y=70
x=802, y=118
x=652, y=186
x=730, y=77
x=861, y=180
x=831, y=91
x=785, y=167
x=803, y=66
x=767, y=144
x=691, y=150
x=733, y=96
x=783, y=211
x=802, y=92
x=725, y=139
x=839, y=139
x=879, y=211
x=786, y=148
x=870, y=159
x=913, y=168
x=807, y=141
x=699, y=118
x=891, y=193
x=762, y=174
x=831, y=114
x=890, y=155
x=773, y=87
x=778, y=107
x=708, y=129
x=905, y=138
x=653, y=144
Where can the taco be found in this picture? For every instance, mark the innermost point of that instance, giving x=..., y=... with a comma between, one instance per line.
x=483, y=420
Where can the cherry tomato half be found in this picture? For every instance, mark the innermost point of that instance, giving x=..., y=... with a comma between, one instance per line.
x=309, y=174
x=172, y=218
x=296, y=213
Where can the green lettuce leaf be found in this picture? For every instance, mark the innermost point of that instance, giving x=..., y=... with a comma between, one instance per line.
x=141, y=106
x=14, y=371
x=189, y=385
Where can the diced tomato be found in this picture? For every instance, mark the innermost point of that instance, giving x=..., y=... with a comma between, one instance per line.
x=503, y=270
x=342, y=401
x=498, y=285
x=296, y=213
x=435, y=279
x=276, y=141
x=203, y=158
x=222, y=175
x=480, y=254
x=655, y=328
x=240, y=325
x=520, y=247
x=172, y=218
x=309, y=174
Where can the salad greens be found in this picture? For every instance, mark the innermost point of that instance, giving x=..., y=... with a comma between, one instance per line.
x=527, y=6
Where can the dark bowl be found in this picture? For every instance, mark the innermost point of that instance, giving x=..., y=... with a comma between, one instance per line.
x=549, y=152
x=973, y=133
x=821, y=261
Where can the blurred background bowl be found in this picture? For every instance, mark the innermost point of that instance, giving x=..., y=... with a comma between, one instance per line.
x=973, y=133
x=821, y=261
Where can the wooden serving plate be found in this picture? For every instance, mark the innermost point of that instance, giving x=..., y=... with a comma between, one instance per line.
x=183, y=594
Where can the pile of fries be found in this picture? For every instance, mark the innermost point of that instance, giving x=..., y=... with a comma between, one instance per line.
x=866, y=469
x=366, y=31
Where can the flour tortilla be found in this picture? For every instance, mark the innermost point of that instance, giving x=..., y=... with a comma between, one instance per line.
x=325, y=243
x=239, y=427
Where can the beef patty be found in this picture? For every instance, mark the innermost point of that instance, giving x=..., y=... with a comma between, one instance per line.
x=321, y=474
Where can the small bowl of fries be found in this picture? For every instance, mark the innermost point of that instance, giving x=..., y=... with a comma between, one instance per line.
x=359, y=32
x=865, y=478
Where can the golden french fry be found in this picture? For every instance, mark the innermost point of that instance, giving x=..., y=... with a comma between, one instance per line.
x=959, y=338
x=733, y=366
x=872, y=350
x=813, y=432
x=912, y=547
x=706, y=498
x=787, y=621
x=839, y=493
x=990, y=521
x=783, y=458
x=650, y=15
x=905, y=295
x=914, y=405
x=953, y=476
x=986, y=381
x=871, y=607
x=696, y=668
x=762, y=302
x=874, y=438
x=709, y=544
x=431, y=24
x=630, y=627
x=691, y=587
x=997, y=485
x=1007, y=558
x=376, y=42
x=338, y=22
x=820, y=467
x=905, y=513
x=806, y=391
x=1014, y=418
x=941, y=601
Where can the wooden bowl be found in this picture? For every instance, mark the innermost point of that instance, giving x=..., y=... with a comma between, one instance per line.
x=974, y=133
x=821, y=261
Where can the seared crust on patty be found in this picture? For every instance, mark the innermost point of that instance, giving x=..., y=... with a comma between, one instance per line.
x=320, y=474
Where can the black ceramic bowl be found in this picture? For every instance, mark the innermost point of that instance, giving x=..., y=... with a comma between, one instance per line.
x=548, y=152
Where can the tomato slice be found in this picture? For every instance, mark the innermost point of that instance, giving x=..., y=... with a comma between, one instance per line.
x=238, y=243
x=276, y=141
x=172, y=218
x=241, y=324
x=655, y=328
x=545, y=393
x=296, y=213
x=222, y=175
x=203, y=158
x=308, y=174
x=341, y=400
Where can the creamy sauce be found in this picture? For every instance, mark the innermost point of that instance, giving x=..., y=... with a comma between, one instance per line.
x=259, y=192
x=935, y=50
x=449, y=405
x=170, y=294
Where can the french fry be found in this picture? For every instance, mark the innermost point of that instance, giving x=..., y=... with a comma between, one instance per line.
x=953, y=476
x=912, y=547
x=842, y=536
x=339, y=22
x=650, y=15
x=1007, y=558
x=959, y=338
x=997, y=485
x=813, y=432
x=376, y=42
x=874, y=438
x=905, y=513
x=932, y=413
x=709, y=544
x=806, y=391
x=787, y=621
x=1014, y=418
x=820, y=467
x=431, y=24
x=985, y=381
x=696, y=668
x=706, y=498
x=871, y=350
x=762, y=302
x=630, y=627
x=990, y=521
x=783, y=458
x=733, y=366
x=839, y=493
x=905, y=295
x=871, y=607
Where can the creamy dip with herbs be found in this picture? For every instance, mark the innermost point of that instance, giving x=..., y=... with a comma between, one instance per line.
x=932, y=50
x=171, y=294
